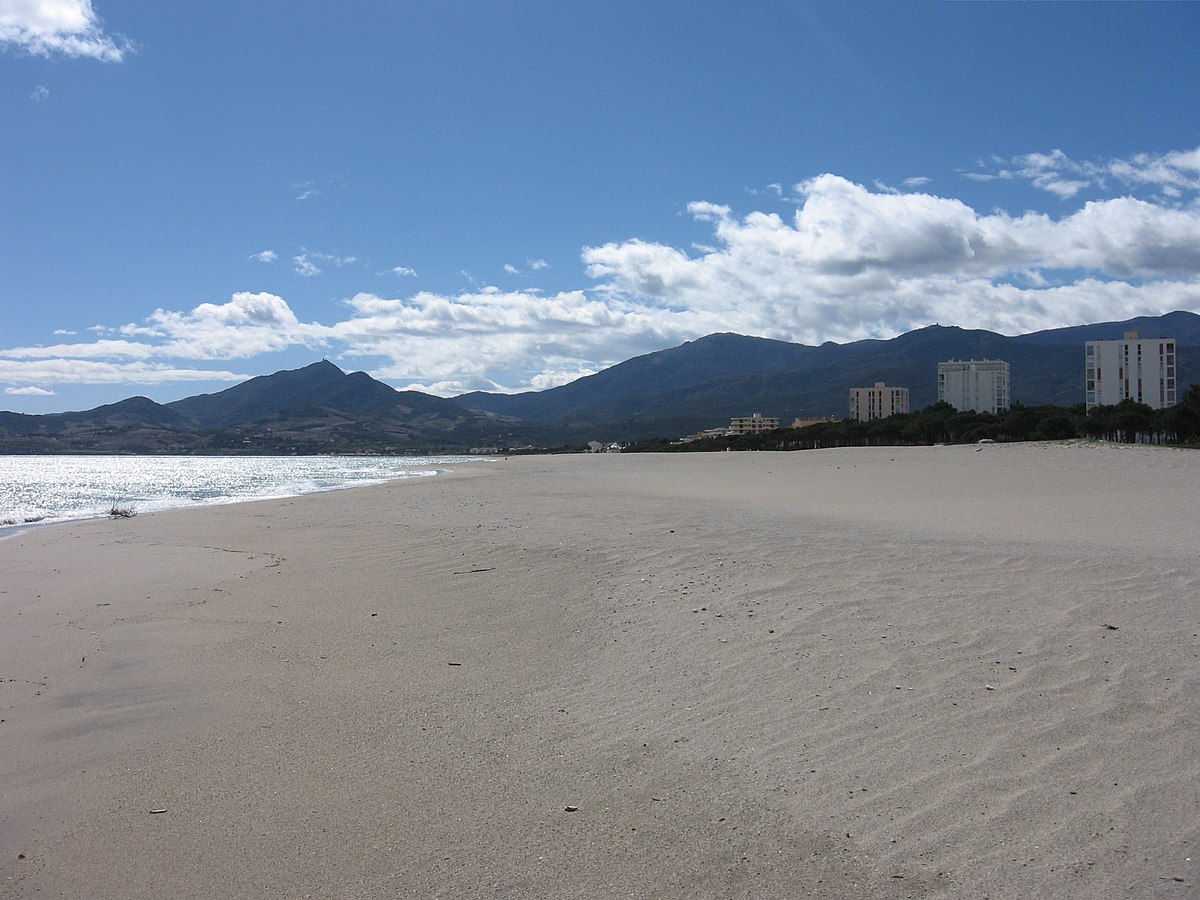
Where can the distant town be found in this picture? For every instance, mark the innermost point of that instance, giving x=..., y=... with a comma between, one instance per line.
x=1132, y=371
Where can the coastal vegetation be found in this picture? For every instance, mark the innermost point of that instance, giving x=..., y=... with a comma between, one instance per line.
x=940, y=423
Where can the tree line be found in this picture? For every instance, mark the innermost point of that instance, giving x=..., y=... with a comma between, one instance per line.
x=941, y=423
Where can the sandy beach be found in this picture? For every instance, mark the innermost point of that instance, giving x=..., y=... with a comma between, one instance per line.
x=900, y=672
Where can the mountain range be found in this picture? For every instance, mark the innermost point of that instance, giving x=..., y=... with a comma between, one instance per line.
x=703, y=383
x=697, y=385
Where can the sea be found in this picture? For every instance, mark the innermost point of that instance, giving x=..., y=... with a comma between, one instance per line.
x=36, y=490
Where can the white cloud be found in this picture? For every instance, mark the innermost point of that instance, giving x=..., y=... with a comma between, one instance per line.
x=31, y=391
x=853, y=263
x=305, y=266
x=847, y=262
x=248, y=325
x=53, y=27
x=546, y=380
x=532, y=265
x=102, y=349
x=514, y=337
x=1172, y=174
x=248, y=309
x=264, y=256
x=308, y=263
x=404, y=271
x=75, y=371
x=40, y=93
x=306, y=190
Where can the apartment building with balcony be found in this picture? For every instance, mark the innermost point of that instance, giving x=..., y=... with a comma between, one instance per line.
x=1133, y=368
x=752, y=424
x=878, y=402
x=982, y=385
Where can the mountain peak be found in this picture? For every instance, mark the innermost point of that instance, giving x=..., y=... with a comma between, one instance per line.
x=323, y=365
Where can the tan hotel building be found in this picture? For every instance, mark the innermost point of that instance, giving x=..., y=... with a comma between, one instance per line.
x=878, y=402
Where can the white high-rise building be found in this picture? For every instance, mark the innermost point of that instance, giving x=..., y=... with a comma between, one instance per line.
x=1141, y=369
x=978, y=384
x=877, y=402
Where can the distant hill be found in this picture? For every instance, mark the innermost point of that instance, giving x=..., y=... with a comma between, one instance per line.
x=705, y=382
x=316, y=409
x=697, y=385
x=321, y=384
x=1181, y=325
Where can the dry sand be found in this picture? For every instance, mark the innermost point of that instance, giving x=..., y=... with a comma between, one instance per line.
x=932, y=672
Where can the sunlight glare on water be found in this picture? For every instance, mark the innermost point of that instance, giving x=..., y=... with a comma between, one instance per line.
x=58, y=488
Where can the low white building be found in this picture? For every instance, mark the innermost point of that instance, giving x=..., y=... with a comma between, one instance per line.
x=981, y=385
x=1141, y=369
x=877, y=402
x=752, y=424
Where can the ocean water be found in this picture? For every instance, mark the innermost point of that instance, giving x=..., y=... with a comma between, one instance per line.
x=47, y=489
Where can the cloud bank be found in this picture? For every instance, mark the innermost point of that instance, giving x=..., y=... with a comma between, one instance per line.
x=839, y=261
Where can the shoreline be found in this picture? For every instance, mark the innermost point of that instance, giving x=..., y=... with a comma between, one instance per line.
x=867, y=672
x=162, y=499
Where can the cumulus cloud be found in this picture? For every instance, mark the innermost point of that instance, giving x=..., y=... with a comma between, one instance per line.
x=59, y=27
x=845, y=262
x=853, y=263
x=489, y=339
x=404, y=271
x=40, y=93
x=480, y=339
x=247, y=325
x=247, y=309
x=30, y=391
x=265, y=256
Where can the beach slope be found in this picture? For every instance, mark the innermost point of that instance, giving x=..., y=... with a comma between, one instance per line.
x=900, y=672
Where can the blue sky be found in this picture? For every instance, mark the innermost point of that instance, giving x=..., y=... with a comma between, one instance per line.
x=505, y=196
